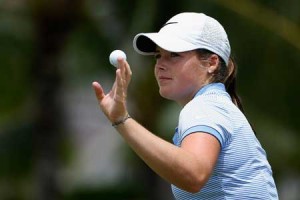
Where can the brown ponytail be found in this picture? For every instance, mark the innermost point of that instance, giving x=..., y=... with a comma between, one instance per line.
x=230, y=83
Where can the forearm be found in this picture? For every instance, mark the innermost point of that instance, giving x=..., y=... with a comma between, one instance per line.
x=172, y=163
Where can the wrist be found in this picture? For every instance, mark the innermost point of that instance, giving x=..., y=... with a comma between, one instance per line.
x=122, y=121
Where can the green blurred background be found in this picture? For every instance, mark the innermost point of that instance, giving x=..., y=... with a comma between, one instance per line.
x=54, y=141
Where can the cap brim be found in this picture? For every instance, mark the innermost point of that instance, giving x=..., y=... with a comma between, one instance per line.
x=146, y=43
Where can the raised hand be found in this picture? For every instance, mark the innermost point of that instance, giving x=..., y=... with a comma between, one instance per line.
x=113, y=104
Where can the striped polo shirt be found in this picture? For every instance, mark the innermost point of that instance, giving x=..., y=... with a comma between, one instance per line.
x=242, y=170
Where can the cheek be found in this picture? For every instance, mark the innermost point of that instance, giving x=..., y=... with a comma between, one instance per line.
x=189, y=82
x=187, y=78
x=155, y=73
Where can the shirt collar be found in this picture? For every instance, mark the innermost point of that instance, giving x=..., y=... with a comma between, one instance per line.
x=211, y=86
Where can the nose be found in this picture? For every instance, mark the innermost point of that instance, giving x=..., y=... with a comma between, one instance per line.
x=159, y=65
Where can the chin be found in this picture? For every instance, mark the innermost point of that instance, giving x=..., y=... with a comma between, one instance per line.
x=165, y=94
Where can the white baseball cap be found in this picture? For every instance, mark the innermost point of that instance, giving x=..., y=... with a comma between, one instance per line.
x=185, y=32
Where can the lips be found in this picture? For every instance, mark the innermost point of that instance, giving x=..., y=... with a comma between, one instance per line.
x=163, y=79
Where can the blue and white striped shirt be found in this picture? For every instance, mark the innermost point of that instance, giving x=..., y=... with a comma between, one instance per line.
x=242, y=170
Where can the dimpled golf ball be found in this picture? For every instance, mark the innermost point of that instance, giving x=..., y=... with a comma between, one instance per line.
x=114, y=55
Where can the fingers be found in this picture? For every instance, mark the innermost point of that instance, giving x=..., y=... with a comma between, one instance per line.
x=125, y=67
x=125, y=72
x=128, y=72
x=123, y=77
x=119, y=89
x=98, y=91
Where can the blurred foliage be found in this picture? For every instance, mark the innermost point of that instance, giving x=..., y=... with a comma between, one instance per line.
x=265, y=40
x=128, y=192
x=16, y=152
x=16, y=57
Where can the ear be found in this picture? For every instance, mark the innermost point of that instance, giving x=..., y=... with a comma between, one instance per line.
x=213, y=63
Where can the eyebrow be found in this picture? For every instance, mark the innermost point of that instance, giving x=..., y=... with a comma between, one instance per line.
x=157, y=50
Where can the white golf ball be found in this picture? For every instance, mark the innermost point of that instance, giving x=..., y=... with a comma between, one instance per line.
x=114, y=55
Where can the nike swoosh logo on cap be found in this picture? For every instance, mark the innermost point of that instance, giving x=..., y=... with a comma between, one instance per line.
x=169, y=23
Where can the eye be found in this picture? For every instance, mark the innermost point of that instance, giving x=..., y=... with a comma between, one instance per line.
x=157, y=56
x=172, y=54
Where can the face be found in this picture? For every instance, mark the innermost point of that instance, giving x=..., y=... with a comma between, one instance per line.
x=180, y=75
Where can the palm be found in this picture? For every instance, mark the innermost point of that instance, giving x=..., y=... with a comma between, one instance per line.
x=113, y=105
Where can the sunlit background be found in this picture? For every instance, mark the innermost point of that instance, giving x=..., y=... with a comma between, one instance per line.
x=56, y=144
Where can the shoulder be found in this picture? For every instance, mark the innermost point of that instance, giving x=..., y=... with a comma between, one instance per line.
x=208, y=105
x=204, y=114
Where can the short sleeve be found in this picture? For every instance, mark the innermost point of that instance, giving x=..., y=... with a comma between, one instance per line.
x=207, y=117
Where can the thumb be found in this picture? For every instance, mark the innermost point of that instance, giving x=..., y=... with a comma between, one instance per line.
x=98, y=91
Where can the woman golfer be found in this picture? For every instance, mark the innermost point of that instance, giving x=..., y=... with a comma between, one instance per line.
x=215, y=153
